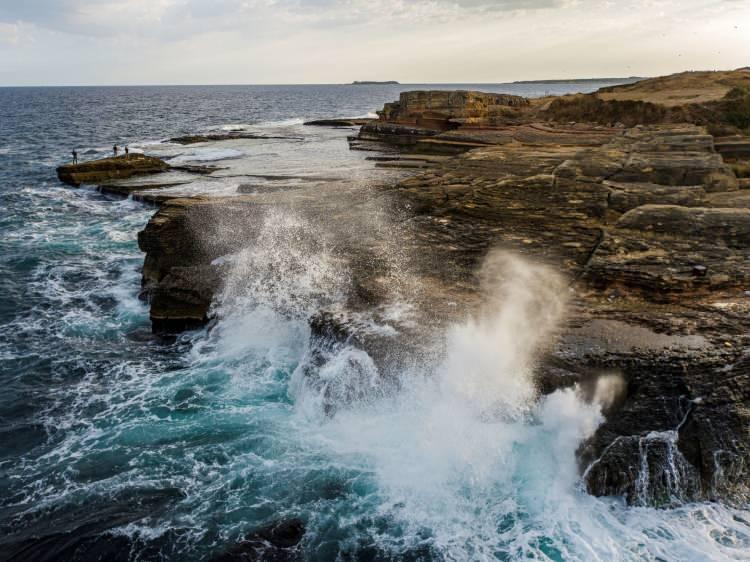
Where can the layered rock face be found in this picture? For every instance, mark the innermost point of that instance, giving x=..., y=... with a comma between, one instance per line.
x=121, y=167
x=445, y=109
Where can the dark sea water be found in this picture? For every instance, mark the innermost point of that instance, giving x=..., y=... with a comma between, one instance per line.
x=118, y=444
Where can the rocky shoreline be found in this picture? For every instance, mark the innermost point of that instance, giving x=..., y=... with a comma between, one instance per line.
x=641, y=208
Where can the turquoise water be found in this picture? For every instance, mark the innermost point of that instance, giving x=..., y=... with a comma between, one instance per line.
x=114, y=441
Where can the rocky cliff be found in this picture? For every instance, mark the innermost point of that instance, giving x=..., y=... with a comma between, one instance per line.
x=649, y=224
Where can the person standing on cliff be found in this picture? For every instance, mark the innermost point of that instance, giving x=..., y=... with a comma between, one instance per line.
x=127, y=151
x=115, y=149
x=75, y=157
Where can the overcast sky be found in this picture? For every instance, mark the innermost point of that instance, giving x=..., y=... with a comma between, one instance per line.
x=49, y=42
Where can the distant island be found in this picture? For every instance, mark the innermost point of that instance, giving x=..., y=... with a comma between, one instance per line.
x=369, y=82
x=580, y=80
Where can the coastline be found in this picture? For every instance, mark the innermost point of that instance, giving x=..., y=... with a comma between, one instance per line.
x=647, y=224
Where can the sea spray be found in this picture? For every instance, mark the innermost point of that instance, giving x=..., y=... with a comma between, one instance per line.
x=271, y=287
x=461, y=456
x=490, y=357
x=288, y=267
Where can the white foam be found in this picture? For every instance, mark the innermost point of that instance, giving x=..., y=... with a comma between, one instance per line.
x=292, y=122
x=235, y=127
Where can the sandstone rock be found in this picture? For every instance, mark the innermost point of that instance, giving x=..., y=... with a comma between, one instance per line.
x=719, y=100
x=99, y=171
x=681, y=433
x=181, y=241
x=356, y=122
x=662, y=268
x=735, y=199
x=148, y=190
x=394, y=133
x=736, y=147
x=181, y=300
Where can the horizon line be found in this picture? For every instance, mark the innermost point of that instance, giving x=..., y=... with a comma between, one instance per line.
x=376, y=83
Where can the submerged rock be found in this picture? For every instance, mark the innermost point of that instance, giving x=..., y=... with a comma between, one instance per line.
x=216, y=137
x=355, y=122
x=276, y=542
x=120, y=167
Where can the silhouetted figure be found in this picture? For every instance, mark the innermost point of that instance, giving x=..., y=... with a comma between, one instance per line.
x=75, y=157
x=115, y=149
x=127, y=151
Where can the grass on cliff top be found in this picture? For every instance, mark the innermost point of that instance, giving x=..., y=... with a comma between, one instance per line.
x=680, y=89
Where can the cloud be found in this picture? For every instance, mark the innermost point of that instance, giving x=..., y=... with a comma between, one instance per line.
x=100, y=17
x=282, y=41
x=86, y=17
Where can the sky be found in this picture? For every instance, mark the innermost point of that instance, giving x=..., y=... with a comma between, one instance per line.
x=101, y=42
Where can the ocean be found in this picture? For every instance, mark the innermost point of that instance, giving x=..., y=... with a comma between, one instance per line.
x=119, y=444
